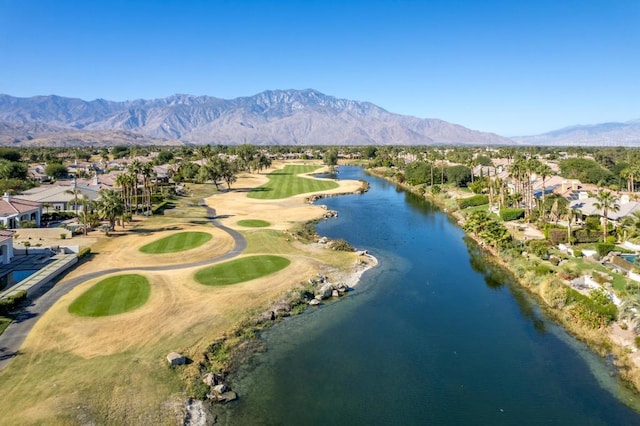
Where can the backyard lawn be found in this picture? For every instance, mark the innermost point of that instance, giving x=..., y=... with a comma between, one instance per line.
x=177, y=242
x=112, y=296
x=239, y=270
x=285, y=183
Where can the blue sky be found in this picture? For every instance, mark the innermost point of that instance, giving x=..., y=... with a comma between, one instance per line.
x=511, y=67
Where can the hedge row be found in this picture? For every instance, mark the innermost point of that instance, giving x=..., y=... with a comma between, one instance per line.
x=11, y=302
x=476, y=200
x=84, y=252
x=509, y=214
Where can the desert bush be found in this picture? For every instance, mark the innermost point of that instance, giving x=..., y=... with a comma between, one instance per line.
x=341, y=245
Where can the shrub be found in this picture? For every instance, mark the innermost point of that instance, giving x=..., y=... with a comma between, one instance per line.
x=592, y=223
x=587, y=236
x=604, y=248
x=542, y=270
x=637, y=340
x=84, y=252
x=342, y=245
x=436, y=189
x=510, y=213
x=476, y=200
x=577, y=253
x=539, y=247
x=12, y=302
x=595, y=312
x=557, y=236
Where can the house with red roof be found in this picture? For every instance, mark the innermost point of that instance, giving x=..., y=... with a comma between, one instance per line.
x=15, y=210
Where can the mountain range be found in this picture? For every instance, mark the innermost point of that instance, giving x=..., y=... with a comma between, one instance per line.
x=283, y=117
x=611, y=134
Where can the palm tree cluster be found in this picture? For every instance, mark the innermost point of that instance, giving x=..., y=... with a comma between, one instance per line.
x=136, y=187
x=521, y=171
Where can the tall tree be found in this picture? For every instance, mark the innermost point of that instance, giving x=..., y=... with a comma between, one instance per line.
x=607, y=201
x=110, y=205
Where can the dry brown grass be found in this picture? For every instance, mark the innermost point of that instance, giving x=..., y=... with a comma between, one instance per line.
x=112, y=369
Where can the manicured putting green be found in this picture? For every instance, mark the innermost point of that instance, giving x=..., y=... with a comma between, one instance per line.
x=286, y=183
x=239, y=270
x=177, y=242
x=112, y=296
x=253, y=223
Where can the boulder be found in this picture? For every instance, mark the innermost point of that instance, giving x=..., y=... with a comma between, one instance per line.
x=175, y=358
x=220, y=389
x=314, y=302
x=324, y=292
x=342, y=287
x=209, y=379
x=228, y=396
x=335, y=293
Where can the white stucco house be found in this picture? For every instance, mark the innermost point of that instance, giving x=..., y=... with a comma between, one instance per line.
x=6, y=246
x=14, y=210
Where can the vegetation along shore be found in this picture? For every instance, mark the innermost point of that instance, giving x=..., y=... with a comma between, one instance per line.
x=545, y=215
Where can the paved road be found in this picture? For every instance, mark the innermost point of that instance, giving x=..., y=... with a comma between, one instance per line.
x=16, y=333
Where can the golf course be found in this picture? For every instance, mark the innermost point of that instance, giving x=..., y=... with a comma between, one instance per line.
x=172, y=282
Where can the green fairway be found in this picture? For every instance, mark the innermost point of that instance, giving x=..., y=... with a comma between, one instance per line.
x=253, y=223
x=177, y=242
x=239, y=270
x=286, y=182
x=111, y=296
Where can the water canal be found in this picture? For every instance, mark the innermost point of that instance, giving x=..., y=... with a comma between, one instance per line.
x=432, y=336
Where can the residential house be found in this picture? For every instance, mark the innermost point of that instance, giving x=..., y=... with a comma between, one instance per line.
x=587, y=206
x=63, y=195
x=6, y=246
x=15, y=210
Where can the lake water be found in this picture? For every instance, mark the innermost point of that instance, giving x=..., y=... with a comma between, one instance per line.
x=432, y=336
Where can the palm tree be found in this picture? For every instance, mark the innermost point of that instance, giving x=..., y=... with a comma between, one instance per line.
x=146, y=171
x=606, y=200
x=544, y=171
x=631, y=225
x=84, y=214
x=110, y=205
x=74, y=191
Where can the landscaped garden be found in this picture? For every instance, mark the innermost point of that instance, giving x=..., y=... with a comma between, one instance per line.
x=239, y=270
x=181, y=241
x=112, y=296
x=285, y=183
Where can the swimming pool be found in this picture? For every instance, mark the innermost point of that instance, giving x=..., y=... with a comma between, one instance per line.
x=14, y=277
